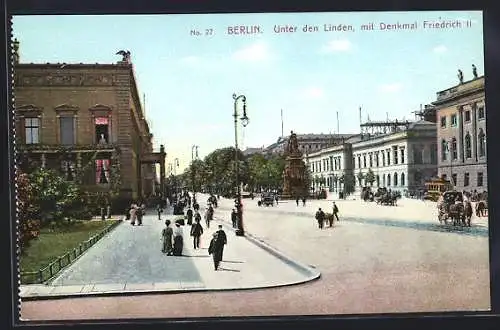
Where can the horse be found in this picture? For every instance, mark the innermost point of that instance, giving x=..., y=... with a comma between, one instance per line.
x=457, y=214
x=481, y=208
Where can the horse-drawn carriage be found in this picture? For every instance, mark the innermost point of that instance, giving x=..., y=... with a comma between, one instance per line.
x=367, y=195
x=451, y=206
x=383, y=196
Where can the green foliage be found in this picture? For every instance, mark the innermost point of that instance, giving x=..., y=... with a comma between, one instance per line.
x=54, y=199
x=370, y=177
x=29, y=224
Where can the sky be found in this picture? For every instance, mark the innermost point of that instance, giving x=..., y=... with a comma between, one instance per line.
x=188, y=80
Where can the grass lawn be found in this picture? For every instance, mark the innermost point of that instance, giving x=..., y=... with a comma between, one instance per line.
x=52, y=244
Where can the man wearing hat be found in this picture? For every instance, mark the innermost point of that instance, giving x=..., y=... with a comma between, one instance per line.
x=216, y=248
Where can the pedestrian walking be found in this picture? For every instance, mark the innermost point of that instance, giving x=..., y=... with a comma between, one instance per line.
x=234, y=218
x=335, y=212
x=216, y=248
x=140, y=213
x=108, y=211
x=133, y=213
x=320, y=217
x=166, y=235
x=196, y=232
x=189, y=214
x=303, y=201
x=297, y=201
x=159, y=210
x=178, y=239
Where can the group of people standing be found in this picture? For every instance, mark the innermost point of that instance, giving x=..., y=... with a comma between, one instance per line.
x=135, y=213
x=321, y=216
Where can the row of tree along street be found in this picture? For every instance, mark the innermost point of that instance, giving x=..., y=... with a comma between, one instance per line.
x=216, y=173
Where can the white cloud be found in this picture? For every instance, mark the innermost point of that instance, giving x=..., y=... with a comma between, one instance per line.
x=440, y=49
x=312, y=93
x=337, y=46
x=390, y=88
x=259, y=51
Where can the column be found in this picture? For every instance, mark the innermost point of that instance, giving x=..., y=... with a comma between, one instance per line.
x=44, y=160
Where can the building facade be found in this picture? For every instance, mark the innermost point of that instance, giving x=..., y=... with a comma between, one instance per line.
x=86, y=121
x=400, y=160
x=461, y=135
x=308, y=143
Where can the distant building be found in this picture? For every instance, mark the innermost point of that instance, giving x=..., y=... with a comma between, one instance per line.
x=308, y=143
x=402, y=158
x=252, y=151
x=87, y=122
x=461, y=135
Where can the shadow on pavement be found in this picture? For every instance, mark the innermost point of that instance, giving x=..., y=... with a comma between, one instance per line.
x=229, y=269
x=233, y=262
x=436, y=227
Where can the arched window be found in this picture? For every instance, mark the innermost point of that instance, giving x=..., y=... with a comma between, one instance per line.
x=482, y=143
x=454, y=148
x=444, y=150
x=388, y=180
x=468, y=146
x=378, y=180
x=402, y=179
x=395, y=183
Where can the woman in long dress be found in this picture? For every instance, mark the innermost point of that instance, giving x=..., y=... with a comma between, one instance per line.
x=178, y=239
x=133, y=214
x=167, y=234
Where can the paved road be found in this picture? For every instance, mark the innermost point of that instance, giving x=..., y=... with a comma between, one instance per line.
x=378, y=259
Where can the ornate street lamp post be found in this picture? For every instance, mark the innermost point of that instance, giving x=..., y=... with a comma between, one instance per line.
x=244, y=121
x=193, y=148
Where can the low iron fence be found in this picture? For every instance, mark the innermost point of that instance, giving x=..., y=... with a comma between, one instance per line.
x=46, y=273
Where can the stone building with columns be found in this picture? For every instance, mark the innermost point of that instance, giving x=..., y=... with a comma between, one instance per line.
x=402, y=158
x=461, y=134
x=87, y=122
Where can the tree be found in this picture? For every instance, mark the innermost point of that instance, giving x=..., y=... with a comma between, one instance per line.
x=29, y=224
x=370, y=177
x=54, y=198
x=360, y=177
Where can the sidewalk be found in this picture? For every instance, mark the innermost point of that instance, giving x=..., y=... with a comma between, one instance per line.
x=128, y=261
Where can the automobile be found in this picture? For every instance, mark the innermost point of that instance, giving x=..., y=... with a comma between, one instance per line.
x=266, y=200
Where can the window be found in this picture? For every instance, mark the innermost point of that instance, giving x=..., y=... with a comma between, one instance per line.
x=67, y=130
x=479, y=179
x=468, y=146
x=402, y=151
x=466, y=179
x=454, y=148
x=482, y=143
x=383, y=158
x=68, y=169
x=395, y=155
x=467, y=115
x=102, y=130
x=32, y=130
x=454, y=179
x=402, y=179
x=102, y=171
x=388, y=157
x=388, y=180
x=371, y=160
x=454, y=120
x=480, y=112
x=417, y=154
x=377, y=160
x=443, y=122
x=395, y=183
x=359, y=161
x=364, y=161
x=444, y=150
x=383, y=180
